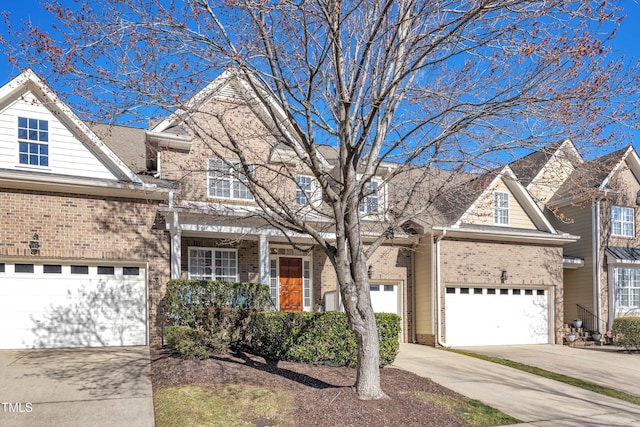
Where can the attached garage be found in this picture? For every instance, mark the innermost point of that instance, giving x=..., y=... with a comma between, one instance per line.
x=496, y=316
x=387, y=298
x=57, y=305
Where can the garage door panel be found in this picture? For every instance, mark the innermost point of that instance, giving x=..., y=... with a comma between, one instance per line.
x=518, y=316
x=384, y=298
x=38, y=311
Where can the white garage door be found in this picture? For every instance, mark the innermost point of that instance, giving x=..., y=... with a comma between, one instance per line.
x=60, y=305
x=385, y=298
x=496, y=316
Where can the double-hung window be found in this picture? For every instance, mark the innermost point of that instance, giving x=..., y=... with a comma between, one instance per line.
x=627, y=288
x=213, y=264
x=33, y=142
x=622, y=221
x=501, y=208
x=227, y=181
x=370, y=202
x=303, y=189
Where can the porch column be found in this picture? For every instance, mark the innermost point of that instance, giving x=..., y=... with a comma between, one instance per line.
x=176, y=250
x=263, y=263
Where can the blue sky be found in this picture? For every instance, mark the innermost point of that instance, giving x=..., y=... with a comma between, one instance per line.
x=626, y=42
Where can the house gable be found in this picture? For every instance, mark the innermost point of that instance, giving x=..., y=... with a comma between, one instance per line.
x=523, y=213
x=65, y=146
x=559, y=166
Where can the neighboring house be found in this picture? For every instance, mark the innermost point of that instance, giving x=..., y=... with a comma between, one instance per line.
x=599, y=201
x=83, y=253
x=488, y=267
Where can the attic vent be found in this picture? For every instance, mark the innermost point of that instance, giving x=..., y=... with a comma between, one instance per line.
x=229, y=91
x=638, y=198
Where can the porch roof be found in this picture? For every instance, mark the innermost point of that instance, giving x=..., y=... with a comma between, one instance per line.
x=623, y=255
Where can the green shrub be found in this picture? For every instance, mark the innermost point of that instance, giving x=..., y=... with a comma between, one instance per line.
x=225, y=325
x=189, y=342
x=185, y=299
x=626, y=332
x=317, y=337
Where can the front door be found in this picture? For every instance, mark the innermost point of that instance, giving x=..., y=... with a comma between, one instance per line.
x=290, y=284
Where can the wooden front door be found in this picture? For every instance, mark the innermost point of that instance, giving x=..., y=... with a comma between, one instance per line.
x=290, y=284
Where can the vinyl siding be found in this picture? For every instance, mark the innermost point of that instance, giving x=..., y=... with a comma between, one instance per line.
x=483, y=212
x=578, y=288
x=67, y=154
x=424, y=288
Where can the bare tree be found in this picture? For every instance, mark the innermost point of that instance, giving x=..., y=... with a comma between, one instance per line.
x=403, y=89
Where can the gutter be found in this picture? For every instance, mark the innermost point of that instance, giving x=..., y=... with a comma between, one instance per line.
x=167, y=140
x=509, y=235
x=73, y=185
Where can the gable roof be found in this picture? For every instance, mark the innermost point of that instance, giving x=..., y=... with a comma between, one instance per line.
x=129, y=143
x=29, y=81
x=461, y=199
x=235, y=85
x=530, y=168
x=594, y=176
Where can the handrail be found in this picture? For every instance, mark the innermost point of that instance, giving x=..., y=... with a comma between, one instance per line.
x=590, y=322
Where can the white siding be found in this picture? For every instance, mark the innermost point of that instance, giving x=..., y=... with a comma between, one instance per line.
x=67, y=154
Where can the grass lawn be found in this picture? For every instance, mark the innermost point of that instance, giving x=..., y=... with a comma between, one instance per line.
x=222, y=405
x=244, y=405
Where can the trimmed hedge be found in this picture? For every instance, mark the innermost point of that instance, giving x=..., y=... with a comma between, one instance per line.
x=317, y=337
x=185, y=300
x=626, y=332
x=189, y=342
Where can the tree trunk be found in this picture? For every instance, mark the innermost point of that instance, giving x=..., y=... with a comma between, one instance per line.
x=368, y=379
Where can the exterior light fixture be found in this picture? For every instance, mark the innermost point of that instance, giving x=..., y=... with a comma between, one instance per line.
x=370, y=271
x=504, y=276
x=34, y=244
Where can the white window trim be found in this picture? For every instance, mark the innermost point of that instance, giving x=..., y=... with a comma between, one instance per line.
x=498, y=210
x=313, y=196
x=228, y=177
x=382, y=200
x=618, y=289
x=623, y=222
x=213, y=250
x=18, y=140
x=276, y=280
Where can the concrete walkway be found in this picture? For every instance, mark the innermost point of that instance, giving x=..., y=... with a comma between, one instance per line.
x=98, y=387
x=535, y=400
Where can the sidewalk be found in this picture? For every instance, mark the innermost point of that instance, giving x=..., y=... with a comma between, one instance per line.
x=535, y=400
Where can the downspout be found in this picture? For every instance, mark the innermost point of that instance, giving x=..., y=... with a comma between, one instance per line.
x=413, y=293
x=176, y=235
x=439, y=340
x=596, y=259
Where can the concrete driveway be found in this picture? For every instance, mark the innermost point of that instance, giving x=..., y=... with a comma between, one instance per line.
x=76, y=387
x=604, y=365
x=535, y=400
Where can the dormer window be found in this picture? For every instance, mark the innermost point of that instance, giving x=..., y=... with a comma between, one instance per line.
x=33, y=142
x=622, y=221
x=501, y=208
x=226, y=181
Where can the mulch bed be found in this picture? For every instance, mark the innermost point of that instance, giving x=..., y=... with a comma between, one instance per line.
x=323, y=394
